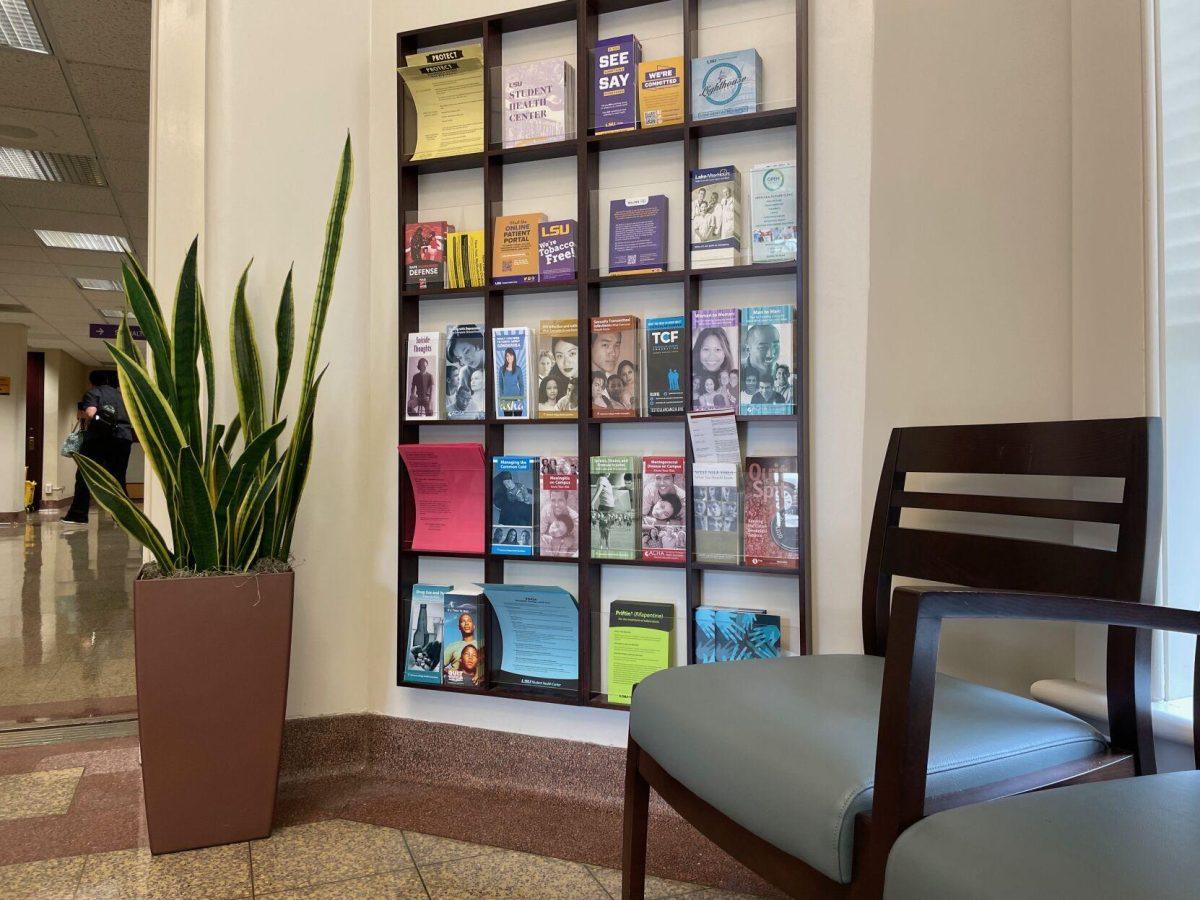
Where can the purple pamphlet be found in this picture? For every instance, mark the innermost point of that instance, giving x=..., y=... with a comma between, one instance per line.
x=614, y=79
x=556, y=250
x=637, y=235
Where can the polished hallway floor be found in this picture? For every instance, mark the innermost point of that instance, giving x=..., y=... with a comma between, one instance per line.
x=66, y=620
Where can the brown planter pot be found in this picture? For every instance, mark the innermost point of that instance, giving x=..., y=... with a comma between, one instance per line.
x=212, y=674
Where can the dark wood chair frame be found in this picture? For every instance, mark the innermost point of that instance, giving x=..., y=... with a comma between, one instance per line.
x=1130, y=449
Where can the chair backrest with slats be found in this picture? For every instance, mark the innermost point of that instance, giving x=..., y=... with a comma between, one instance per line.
x=1129, y=449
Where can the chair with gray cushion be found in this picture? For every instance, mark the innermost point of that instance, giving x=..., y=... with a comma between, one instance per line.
x=776, y=760
x=1133, y=837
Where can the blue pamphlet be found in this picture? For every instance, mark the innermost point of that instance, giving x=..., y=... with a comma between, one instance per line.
x=538, y=636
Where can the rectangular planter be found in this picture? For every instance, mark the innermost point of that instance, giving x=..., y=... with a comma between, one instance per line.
x=212, y=672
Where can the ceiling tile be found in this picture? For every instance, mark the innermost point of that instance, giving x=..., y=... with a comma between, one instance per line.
x=89, y=258
x=65, y=220
x=50, y=307
x=24, y=287
x=48, y=195
x=109, y=32
x=111, y=93
x=31, y=253
x=121, y=139
x=16, y=318
x=127, y=174
x=55, y=132
x=16, y=236
x=7, y=220
x=34, y=81
x=28, y=267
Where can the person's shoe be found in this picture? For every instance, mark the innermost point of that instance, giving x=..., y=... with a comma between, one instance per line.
x=64, y=522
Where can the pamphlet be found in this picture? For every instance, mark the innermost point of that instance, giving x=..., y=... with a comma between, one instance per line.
x=537, y=636
x=639, y=644
x=423, y=656
x=446, y=87
x=447, y=485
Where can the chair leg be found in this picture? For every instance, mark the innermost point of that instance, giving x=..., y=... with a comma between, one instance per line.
x=633, y=841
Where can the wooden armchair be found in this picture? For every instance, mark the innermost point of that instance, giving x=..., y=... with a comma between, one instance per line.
x=775, y=760
x=1133, y=837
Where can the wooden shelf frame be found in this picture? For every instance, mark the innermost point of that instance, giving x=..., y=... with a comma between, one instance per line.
x=586, y=148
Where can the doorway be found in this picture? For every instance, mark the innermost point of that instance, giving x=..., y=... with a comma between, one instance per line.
x=35, y=408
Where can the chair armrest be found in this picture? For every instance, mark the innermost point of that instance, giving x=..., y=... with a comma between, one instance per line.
x=906, y=706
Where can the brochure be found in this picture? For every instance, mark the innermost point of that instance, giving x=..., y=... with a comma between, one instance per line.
x=664, y=509
x=724, y=634
x=510, y=356
x=639, y=644
x=447, y=486
x=772, y=518
x=426, y=614
x=514, y=505
x=446, y=87
x=463, y=663
x=537, y=636
x=559, y=516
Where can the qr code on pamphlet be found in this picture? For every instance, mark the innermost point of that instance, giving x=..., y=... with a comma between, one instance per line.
x=653, y=117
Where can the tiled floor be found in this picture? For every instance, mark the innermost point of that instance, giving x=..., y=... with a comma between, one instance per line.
x=329, y=859
x=66, y=620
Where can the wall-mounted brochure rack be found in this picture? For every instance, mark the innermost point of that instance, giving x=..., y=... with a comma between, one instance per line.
x=691, y=28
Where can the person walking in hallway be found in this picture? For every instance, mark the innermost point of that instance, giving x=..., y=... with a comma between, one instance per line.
x=107, y=438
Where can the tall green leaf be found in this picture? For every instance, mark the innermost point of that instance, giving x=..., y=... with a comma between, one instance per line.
x=210, y=388
x=159, y=420
x=242, y=474
x=250, y=525
x=285, y=339
x=185, y=348
x=295, y=474
x=107, y=492
x=125, y=340
x=148, y=313
x=196, y=508
x=334, y=228
x=247, y=368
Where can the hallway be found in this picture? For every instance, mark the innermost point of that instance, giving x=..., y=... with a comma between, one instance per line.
x=66, y=621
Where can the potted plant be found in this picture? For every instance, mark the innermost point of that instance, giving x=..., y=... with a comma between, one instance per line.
x=213, y=611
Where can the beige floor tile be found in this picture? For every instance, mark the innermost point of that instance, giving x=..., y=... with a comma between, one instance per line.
x=37, y=793
x=655, y=887
x=215, y=872
x=510, y=875
x=429, y=848
x=48, y=879
x=402, y=885
x=334, y=850
x=718, y=894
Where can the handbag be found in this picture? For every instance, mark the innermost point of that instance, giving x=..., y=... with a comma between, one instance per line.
x=72, y=443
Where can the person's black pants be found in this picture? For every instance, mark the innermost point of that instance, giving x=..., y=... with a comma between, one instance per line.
x=110, y=452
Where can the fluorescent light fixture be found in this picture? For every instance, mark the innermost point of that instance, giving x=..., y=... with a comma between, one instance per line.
x=77, y=240
x=39, y=165
x=17, y=28
x=97, y=284
x=118, y=314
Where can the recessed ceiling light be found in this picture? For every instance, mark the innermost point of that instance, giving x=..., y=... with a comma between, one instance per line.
x=118, y=314
x=97, y=284
x=77, y=240
x=17, y=28
x=39, y=165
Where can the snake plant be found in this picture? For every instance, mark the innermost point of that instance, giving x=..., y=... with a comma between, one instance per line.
x=232, y=490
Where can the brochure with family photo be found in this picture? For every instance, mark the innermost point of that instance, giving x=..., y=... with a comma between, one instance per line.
x=558, y=369
x=615, y=375
x=716, y=512
x=715, y=359
x=767, y=383
x=423, y=399
x=559, y=515
x=514, y=502
x=466, y=372
x=664, y=509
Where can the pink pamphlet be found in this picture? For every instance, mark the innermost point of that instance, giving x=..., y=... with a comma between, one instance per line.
x=448, y=487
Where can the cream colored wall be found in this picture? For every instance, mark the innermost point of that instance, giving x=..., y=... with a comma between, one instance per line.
x=1006, y=265
x=66, y=383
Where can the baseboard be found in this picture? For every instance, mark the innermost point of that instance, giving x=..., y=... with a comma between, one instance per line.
x=540, y=795
x=49, y=504
x=12, y=518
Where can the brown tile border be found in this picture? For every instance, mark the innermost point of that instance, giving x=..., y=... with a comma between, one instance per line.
x=57, y=710
x=12, y=518
x=52, y=504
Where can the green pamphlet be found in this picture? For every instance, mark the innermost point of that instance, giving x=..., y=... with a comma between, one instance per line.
x=639, y=644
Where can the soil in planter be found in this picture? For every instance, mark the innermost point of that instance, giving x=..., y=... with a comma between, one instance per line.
x=151, y=571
